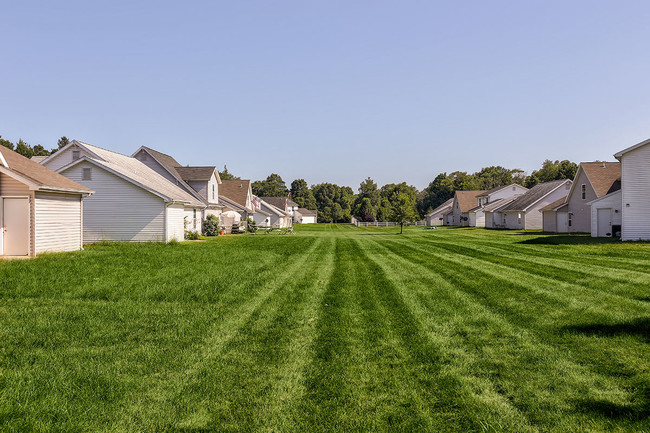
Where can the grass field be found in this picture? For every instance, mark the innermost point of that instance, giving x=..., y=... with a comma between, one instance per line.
x=335, y=329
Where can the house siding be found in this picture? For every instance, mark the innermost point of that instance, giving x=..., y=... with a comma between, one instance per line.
x=118, y=210
x=437, y=219
x=150, y=162
x=549, y=221
x=581, y=220
x=11, y=187
x=613, y=202
x=175, y=228
x=635, y=185
x=57, y=222
x=64, y=157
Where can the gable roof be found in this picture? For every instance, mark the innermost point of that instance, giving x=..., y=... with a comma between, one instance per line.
x=279, y=202
x=467, y=199
x=196, y=173
x=235, y=190
x=618, y=155
x=555, y=205
x=41, y=177
x=167, y=161
x=533, y=195
x=499, y=188
x=307, y=212
x=137, y=173
x=276, y=210
x=448, y=204
x=602, y=175
x=606, y=196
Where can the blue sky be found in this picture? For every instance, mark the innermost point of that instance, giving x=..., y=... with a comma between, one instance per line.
x=331, y=91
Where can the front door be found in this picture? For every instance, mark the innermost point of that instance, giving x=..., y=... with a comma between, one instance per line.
x=604, y=222
x=15, y=222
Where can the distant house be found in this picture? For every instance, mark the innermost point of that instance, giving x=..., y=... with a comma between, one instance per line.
x=284, y=203
x=524, y=212
x=132, y=202
x=237, y=195
x=635, y=196
x=437, y=216
x=305, y=216
x=477, y=214
x=40, y=210
x=494, y=219
x=555, y=216
x=463, y=202
x=202, y=182
x=278, y=217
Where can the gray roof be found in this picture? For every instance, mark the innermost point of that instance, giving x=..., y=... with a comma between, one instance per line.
x=307, y=212
x=138, y=173
x=196, y=173
x=442, y=207
x=496, y=204
x=279, y=202
x=533, y=195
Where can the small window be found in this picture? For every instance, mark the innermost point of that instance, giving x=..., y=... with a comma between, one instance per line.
x=76, y=155
x=86, y=173
x=514, y=188
x=518, y=218
x=570, y=219
x=212, y=191
x=195, y=218
x=583, y=191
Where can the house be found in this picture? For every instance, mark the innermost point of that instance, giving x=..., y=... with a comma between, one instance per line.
x=202, y=182
x=607, y=215
x=278, y=217
x=132, y=202
x=305, y=216
x=555, y=216
x=463, y=202
x=437, y=216
x=493, y=217
x=283, y=203
x=524, y=212
x=635, y=186
x=477, y=214
x=40, y=210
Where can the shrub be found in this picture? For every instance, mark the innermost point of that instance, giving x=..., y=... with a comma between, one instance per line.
x=191, y=236
x=251, y=227
x=211, y=226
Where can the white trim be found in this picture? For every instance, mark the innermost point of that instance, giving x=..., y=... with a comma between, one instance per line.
x=3, y=161
x=72, y=143
x=611, y=194
x=618, y=155
x=547, y=194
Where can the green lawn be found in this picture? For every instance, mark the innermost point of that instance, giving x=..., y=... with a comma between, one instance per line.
x=335, y=329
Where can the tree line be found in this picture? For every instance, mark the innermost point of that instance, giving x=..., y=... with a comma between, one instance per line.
x=397, y=202
x=391, y=202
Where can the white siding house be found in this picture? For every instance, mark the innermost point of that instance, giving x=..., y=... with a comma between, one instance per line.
x=524, y=213
x=40, y=210
x=635, y=184
x=131, y=203
x=437, y=216
x=607, y=215
x=477, y=217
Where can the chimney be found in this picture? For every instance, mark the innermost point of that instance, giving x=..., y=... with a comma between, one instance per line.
x=604, y=164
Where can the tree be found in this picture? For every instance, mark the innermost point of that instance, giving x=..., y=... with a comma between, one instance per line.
x=6, y=143
x=301, y=194
x=403, y=209
x=439, y=191
x=226, y=175
x=493, y=176
x=24, y=149
x=327, y=197
x=39, y=150
x=273, y=186
x=63, y=141
x=364, y=210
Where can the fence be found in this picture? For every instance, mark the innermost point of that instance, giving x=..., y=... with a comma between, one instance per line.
x=388, y=223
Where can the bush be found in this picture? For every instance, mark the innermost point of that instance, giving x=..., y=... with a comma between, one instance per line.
x=191, y=236
x=211, y=226
x=251, y=227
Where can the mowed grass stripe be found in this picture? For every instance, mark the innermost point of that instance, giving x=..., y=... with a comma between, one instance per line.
x=493, y=356
x=256, y=379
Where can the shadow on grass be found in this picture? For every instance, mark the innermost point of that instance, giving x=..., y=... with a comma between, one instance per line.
x=643, y=298
x=637, y=411
x=569, y=240
x=636, y=328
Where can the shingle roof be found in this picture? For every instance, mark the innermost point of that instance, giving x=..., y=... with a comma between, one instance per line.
x=168, y=161
x=467, y=199
x=235, y=190
x=602, y=175
x=533, y=195
x=497, y=189
x=279, y=202
x=553, y=206
x=442, y=207
x=196, y=173
x=138, y=172
x=37, y=173
x=307, y=212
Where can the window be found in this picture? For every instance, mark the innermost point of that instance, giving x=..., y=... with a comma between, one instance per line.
x=86, y=173
x=76, y=155
x=212, y=191
x=583, y=191
x=518, y=218
x=514, y=188
x=194, y=218
x=570, y=219
x=504, y=219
